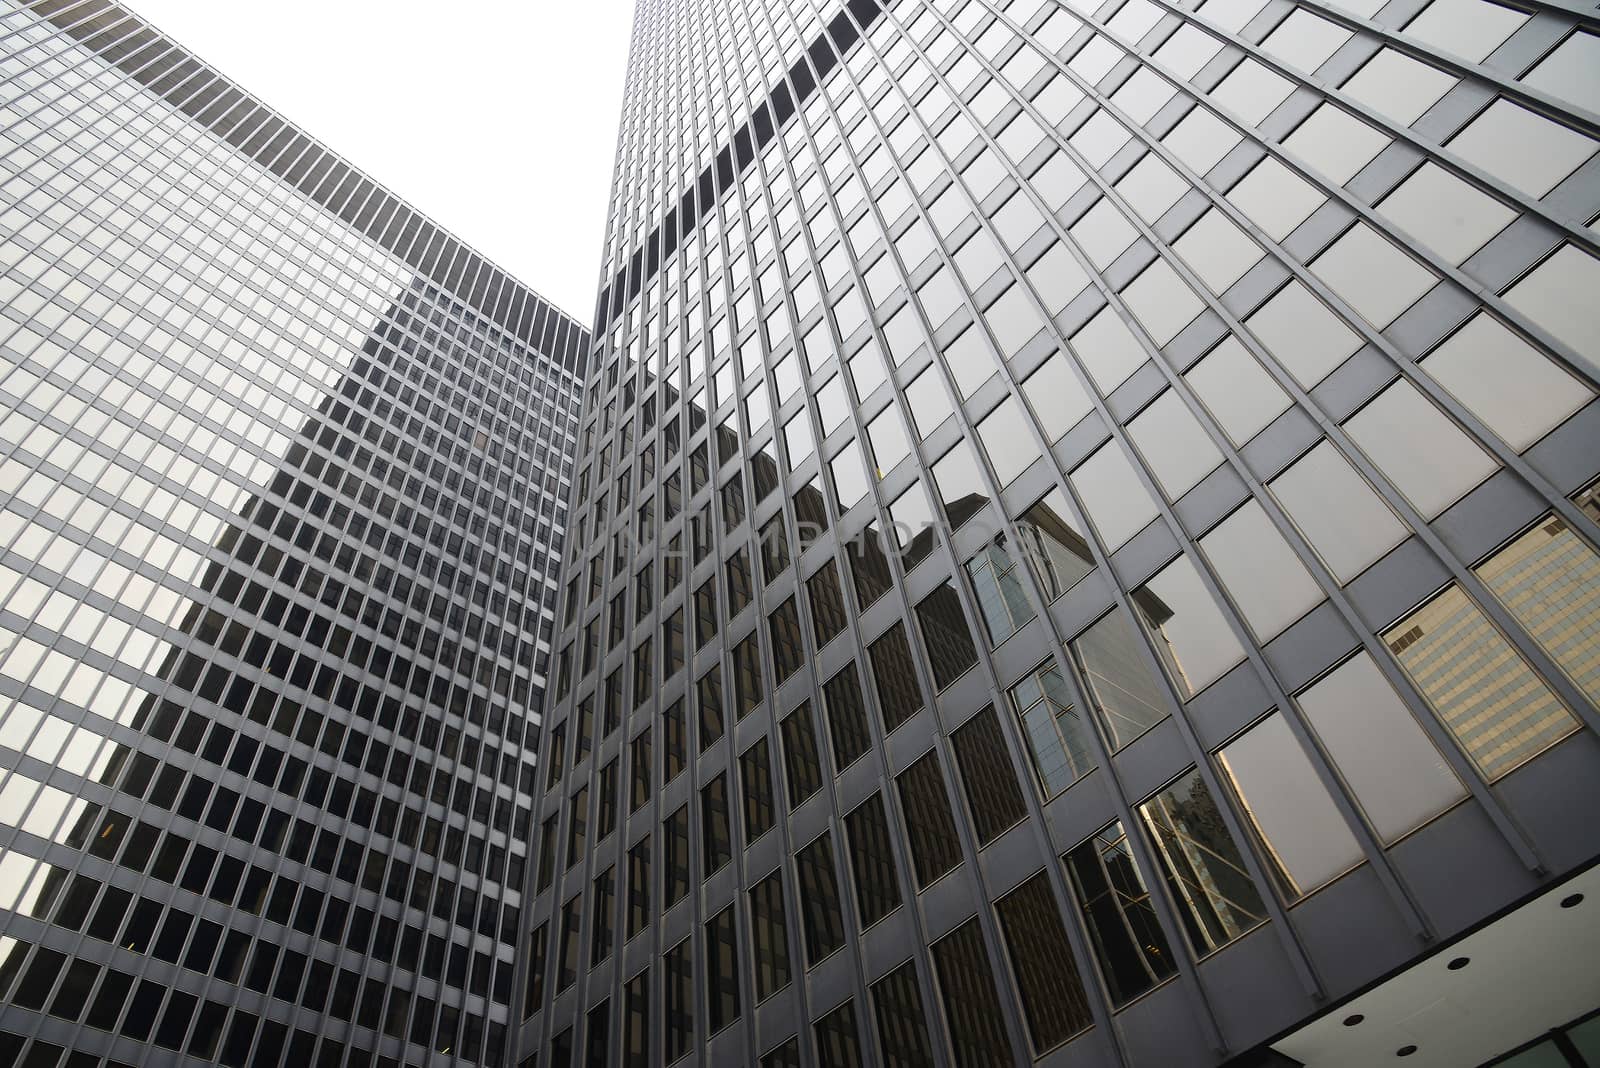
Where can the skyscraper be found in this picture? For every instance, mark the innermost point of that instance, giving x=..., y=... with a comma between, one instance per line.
x=1085, y=541
x=283, y=478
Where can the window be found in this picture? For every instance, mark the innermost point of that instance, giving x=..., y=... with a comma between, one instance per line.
x=1007, y=441
x=1335, y=143
x=1118, y=504
x=962, y=491
x=935, y=843
x=675, y=747
x=847, y=719
x=1259, y=569
x=819, y=900
x=747, y=685
x=828, y=617
x=1500, y=726
x=1303, y=335
x=708, y=700
x=1568, y=72
x=769, y=936
x=993, y=797
x=869, y=565
x=802, y=767
x=755, y=775
x=1212, y=889
x=1445, y=213
x=1372, y=275
x=838, y=1041
x=1522, y=148
x=1127, y=695
x=577, y=825
x=902, y=1028
x=571, y=929
x=788, y=651
x=1513, y=387
x=1190, y=635
x=1042, y=965
x=1002, y=602
x=1057, y=736
x=1058, y=399
x=1175, y=447
x=639, y=764
x=602, y=907
x=895, y=676
x=872, y=861
x=1123, y=929
x=716, y=833
x=1108, y=350
x=677, y=999
x=706, y=618
x=1398, y=87
x=951, y=653
x=722, y=972
x=1343, y=518
x=1553, y=295
x=971, y=1006
x=1393, y=770
x=606, y=803
x=1307, y=841
x=1549, y=579
x=1418, y=448
x=774, y=549
x=675, y=876
x=638, y=887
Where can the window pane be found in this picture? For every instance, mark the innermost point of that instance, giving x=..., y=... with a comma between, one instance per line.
x=946, y=635
x=1174, y=445
x=1058, y=738
x=722, y=972
x=838, y=1041
x=902, y=1027
x=802, y=768
x=769, y=936
x=1117, y=502
x=872, y=861
x=847, y=719
x=819, y=900
x=1339, y=513
x=1258, y=568
x=971, y=1007
x=1123, y=929
x=1205, y=872
x=961, y=487
x=1307, y=840
x=716, y=833
x=998, y=588
x=1391, y=767
x=1007, y=441
x=894, y=674
x=1050, y=537
x=677, y=1000
x=1128, y=697
x=1426, y=456
x=828, y=617
x=1514, y=388
x=1042, y=966
x=675, y=831
x=1549, y=578
x=931, y=830
x=755, y=775
x=1187, y=628
x=993, y=797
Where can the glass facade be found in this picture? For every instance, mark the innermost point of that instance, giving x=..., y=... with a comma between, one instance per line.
x=283, y=483
x=1167, y=434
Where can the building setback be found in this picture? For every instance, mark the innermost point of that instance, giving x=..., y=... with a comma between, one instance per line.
x=283, y=479
x=1085, y=542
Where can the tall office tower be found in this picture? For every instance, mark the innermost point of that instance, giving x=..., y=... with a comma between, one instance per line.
x=1082, y=549
x=283, y=468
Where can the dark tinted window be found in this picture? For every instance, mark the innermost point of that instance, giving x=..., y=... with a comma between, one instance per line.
x=769, y=936
x=934, y=840
x=899, y=696
x=944, y=631
x=993, y=796
x=902, y=1026
x=819, y=900
x=802, y=766
x=872, y=861
x=978, y=1036
x=755, y=776
x=847, y=719
x=1053, y=1001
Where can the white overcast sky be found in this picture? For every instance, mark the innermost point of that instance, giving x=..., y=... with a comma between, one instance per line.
x=497, y=119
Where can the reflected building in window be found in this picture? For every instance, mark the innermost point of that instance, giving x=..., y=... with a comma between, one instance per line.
x=284, y=476
x=1166, y=432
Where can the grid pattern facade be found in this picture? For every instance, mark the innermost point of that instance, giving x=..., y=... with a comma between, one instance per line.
x=1085, y=528
x=283, y=479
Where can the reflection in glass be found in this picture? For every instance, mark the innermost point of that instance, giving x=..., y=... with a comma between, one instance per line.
x=1055, y=731
x=1305, y=837
x=1549, y=578
x=1205, y=872
x=1053, y=1000
x=1128, y=697
x=1498, y=709
x=998, y=586
x=1123, y=928
x=1188, y=630
x=961, y=486
x=1050, y=538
